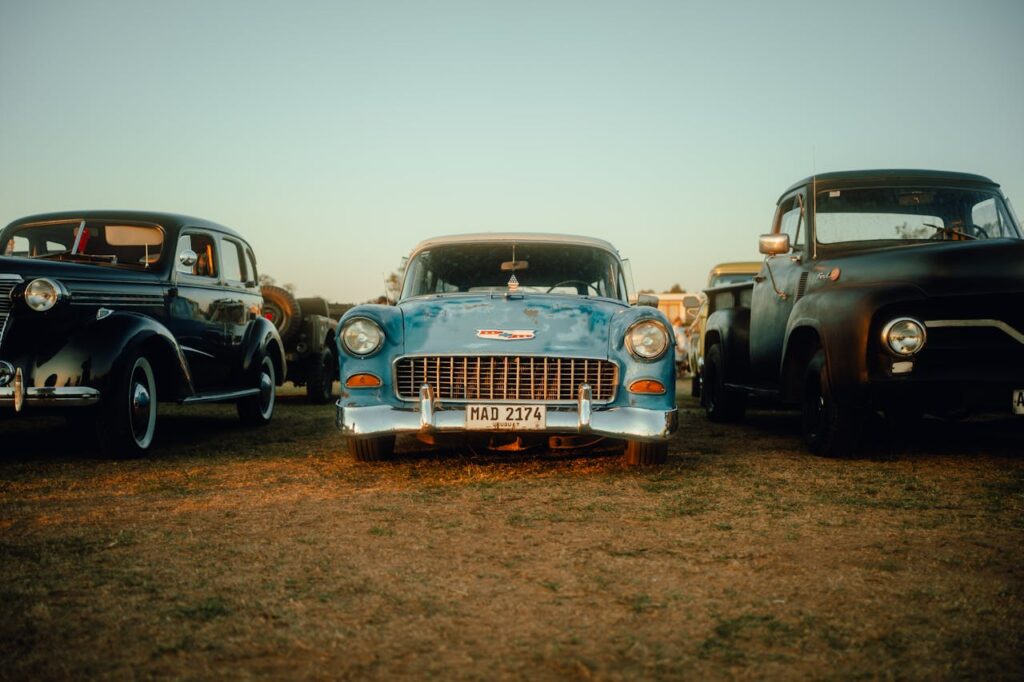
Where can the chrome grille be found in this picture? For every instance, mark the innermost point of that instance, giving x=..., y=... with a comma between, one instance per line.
x=505, y=377
x=7, y=284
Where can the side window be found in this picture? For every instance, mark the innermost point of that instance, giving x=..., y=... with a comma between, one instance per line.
x=253, y=273
x=16, y=246
x=991, y=219
x=206, y=255
x=790, y=219
x=232, y=261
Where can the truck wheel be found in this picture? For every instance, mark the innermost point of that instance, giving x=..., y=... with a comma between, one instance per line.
x=695, y=385
x=257, y=410
x=641, y=453
x=721, y=404
x=127, y=418
x=371, y=449
x=321, y=378
x=830, y=429
x=281, y=308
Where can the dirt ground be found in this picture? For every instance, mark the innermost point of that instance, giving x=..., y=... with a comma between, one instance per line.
x=233, y=553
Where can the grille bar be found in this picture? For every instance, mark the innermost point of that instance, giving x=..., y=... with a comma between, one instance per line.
x=7, y=284
x=505, y=377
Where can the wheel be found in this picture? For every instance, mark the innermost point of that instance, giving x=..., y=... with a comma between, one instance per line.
x=641, y=453
x=127, y=417
x=257, y=410
x=321, y=378
x=721, y=403
x=830, y=429
x=371, y=449
x=695, y=386
x=281, y=308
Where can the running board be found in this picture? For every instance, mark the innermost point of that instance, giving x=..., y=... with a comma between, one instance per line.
x=757, y=391
x=220, y=397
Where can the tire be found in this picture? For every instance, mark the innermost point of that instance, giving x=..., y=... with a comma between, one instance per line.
x=695, y=386
x=371, y=449
x=281, y=308
x=642, y=454
x=126, y=425
x=321, y=378
x=721, y=403
x=258, y=409
x=314, y=306
x=829, y=428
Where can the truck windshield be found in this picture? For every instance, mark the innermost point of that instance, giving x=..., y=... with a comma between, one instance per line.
x=87, y=241
x=565, y=269
x=911, y=214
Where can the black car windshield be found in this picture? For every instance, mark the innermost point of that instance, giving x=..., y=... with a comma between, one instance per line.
x=100, y=242
x=911, y=214
x=568, y=269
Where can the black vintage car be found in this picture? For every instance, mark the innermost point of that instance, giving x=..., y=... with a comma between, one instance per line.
x=897, y=291
x=103, y=313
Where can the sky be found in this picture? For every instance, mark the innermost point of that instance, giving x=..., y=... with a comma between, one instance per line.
x=337, y=135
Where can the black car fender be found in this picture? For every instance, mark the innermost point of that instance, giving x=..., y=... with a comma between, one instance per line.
x=261, y=339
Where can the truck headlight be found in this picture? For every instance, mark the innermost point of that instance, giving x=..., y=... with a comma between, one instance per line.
x=904, y=336
x=647, y=339
x=362, y=336
x=42, y=294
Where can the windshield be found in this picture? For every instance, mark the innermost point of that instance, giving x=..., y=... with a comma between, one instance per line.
x=911, y=214
x=730, y=278
x=506, y=268
x=88, y=241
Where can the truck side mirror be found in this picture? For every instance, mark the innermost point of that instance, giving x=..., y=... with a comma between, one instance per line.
x=647, y=299
x=773, y=244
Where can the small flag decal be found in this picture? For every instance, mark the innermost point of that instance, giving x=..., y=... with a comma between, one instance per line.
x=513, y=283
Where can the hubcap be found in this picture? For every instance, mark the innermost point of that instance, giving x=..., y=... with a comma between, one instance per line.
x=141, y=407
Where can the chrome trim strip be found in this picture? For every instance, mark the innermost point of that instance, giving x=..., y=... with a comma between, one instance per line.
x=64, y=396
x=219, y=397
x=996, y=324
x=617, y=422
x=190, y=349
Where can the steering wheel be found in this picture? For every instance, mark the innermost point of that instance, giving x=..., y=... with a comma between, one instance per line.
x=978, y=229
x=587, y=285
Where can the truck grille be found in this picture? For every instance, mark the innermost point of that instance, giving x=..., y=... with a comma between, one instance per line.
x=505, y=377
x=7, y=284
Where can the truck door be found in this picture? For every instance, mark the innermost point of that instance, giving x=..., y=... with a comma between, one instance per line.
x=776, y=290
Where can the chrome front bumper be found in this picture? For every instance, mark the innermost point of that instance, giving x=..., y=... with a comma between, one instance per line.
x=17, y=396
x=429, y=416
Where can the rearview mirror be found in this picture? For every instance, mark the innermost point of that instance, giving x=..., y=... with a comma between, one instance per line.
x=649, y=300
x=773, y=244
x=515, y=265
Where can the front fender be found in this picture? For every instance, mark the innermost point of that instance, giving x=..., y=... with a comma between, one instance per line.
x=663, y=369
x=390, y=320
x=261, y=338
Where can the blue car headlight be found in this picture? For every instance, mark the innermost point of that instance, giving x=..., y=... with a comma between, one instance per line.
x=647, y=339
x=362, y=336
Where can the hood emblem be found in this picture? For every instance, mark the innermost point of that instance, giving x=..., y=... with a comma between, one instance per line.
x=505, y=334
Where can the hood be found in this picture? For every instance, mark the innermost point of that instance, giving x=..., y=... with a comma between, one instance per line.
x=937, y=269
x=31, y=268
x=560, y=325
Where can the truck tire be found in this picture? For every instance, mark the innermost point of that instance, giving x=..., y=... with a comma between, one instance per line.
x=721, y=403
x=314, y=306
x=323, y=373
x=695, y=385
x=829, y=428
x=374, y=449
x=281, y=308
x=641, y=453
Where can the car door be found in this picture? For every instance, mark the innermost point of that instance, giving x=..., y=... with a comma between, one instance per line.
x=194, y=308
x=240, y=300
x=776, y=289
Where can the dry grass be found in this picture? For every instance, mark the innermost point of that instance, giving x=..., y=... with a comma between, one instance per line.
x=235, y=553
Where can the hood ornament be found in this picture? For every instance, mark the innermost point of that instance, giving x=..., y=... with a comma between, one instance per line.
x=506, y=334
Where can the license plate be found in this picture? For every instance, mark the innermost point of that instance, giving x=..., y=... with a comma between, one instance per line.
x=1018, y=401
x=506, y=417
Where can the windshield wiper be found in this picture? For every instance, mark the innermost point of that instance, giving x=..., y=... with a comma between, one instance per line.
x=949, y=230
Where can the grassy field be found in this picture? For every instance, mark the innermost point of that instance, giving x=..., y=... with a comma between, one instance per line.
x=236, y=553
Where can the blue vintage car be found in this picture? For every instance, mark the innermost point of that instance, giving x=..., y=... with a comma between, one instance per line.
x=515, y=340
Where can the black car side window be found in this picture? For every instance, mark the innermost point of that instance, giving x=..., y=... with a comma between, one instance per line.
x=233, y=262
x=202, y=245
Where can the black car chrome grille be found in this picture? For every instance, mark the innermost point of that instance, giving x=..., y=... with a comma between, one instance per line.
x=505, y=377
x=7, y=284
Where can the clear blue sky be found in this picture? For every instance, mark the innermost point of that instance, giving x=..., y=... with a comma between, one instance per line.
x=336, y=135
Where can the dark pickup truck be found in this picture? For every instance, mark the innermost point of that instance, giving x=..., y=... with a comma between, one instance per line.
x=894, y=291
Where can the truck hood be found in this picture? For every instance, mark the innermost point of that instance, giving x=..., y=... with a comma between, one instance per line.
x=939, y=269
x=31, y=268
x=519, y=324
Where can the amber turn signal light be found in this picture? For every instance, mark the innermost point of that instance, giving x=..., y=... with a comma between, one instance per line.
x=647, y=386
x=362, y=381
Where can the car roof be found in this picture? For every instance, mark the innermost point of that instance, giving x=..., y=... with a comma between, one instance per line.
x=517, y=237
x=169, y=221
x=734, y=267
x=883, y=175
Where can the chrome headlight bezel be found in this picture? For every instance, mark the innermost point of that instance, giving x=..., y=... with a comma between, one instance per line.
x=639, y=338
x=361, y=337
x=42, y=294
x=895, y=334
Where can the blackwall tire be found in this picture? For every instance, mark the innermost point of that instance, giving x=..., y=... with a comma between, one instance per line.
x=644, y=454
x=320, y=381
x=281, y=308
x=373, y=449
x=721, y=403
x=829, y=428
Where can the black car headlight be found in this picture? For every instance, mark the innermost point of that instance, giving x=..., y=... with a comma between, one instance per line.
x=647, y=339
x=42, y=294
x=362, y=336
x=904, y=336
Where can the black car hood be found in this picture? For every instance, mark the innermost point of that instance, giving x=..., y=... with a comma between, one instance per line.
x=940, y=269
x=31, y=268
